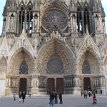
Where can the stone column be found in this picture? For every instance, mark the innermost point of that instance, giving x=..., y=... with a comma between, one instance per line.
x=4, y=25
x=37, y=21
x=34, y=86
x=77, y=89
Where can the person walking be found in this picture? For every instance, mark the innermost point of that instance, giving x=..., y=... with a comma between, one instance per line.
x=14, y=96
x=23, y=96
x=101, y=92
x=52, y=96
x=94, y=99
x=20, y=96
x=81, y=93
x=29, y=94
x=85, y=94
x=56, y=99
x=60, y=98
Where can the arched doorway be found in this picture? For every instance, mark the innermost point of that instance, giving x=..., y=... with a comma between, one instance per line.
x=21, y=70
x=88, y=65
x=54, y=59
x=87, y=83
x=59, y=85
x=55, y=85
x=23, y=85
x=50, y=85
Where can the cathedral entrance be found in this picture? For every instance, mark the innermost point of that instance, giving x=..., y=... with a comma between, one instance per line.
x=59, y=85
x=87, y=83
x=55, y=84
x=23, y=85
x=50, y=85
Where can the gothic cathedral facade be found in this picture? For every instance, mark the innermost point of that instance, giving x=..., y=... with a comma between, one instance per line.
x=49, y=45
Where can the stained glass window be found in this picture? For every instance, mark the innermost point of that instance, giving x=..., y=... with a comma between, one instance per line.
x=23, y=68
x=86, y=67
x=55, y=64
x=54, y=17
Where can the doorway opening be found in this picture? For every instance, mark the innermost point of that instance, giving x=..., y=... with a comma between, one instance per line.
x=87, y=83
x=55, y=85
x=23, y=85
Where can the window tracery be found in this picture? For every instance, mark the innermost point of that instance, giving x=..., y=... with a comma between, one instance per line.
x=54, y=17
x=23, y=68
x=55, y=64
x=86, y=67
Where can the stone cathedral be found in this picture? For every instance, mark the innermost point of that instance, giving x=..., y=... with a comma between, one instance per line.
x=48, y=45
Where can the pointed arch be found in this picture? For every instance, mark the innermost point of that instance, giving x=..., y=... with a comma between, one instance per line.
x=17, y=59
x=86, y=5
x=90, y=50
x=88, y=45
x=61, y=42
x=19, y=50
x=48, y=50
x=93, y=60
x=79, y=5
x=29, y=4
x=21, y=5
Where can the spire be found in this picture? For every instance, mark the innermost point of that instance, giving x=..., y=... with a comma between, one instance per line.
x=96, y=5
x=10, y=5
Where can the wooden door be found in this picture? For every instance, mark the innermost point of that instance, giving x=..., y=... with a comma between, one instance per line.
x=50, y=85
x=59, y=85
x=87, y=83
x=23, y=85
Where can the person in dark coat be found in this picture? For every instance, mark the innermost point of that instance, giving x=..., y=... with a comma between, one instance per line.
x=60, y=97
x=20, y=96
x=23, y=96
x=52, y=99
x=56, y=99
x=101, y=92
x=94, y=98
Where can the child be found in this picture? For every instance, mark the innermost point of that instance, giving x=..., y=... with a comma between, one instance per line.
x=94, y=99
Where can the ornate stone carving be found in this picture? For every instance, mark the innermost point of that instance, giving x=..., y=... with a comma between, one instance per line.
x=23, y=68
x=86, y=67
x=54, y=17
x=55, y=64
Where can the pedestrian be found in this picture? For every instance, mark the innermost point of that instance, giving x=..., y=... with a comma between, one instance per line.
x=94, y=99
x=29, y=94
x=85, y=94
x=89, y=93
x=81, y=93
x=51, y=99
x=14, y=96
x=60, y=98
x=20, y=96
x=56, y=99
x=23, y=96
x=101, y=92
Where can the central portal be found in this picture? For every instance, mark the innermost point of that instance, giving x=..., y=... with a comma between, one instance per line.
x=87, y=83
x=23, y=85
x=55, y=85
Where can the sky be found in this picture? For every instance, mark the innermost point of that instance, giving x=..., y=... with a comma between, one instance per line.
x=2, y=3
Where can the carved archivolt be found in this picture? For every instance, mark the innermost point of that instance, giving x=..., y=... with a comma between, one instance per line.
x=51, y=48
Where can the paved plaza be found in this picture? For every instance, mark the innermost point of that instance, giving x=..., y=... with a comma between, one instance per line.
x=43, y=101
